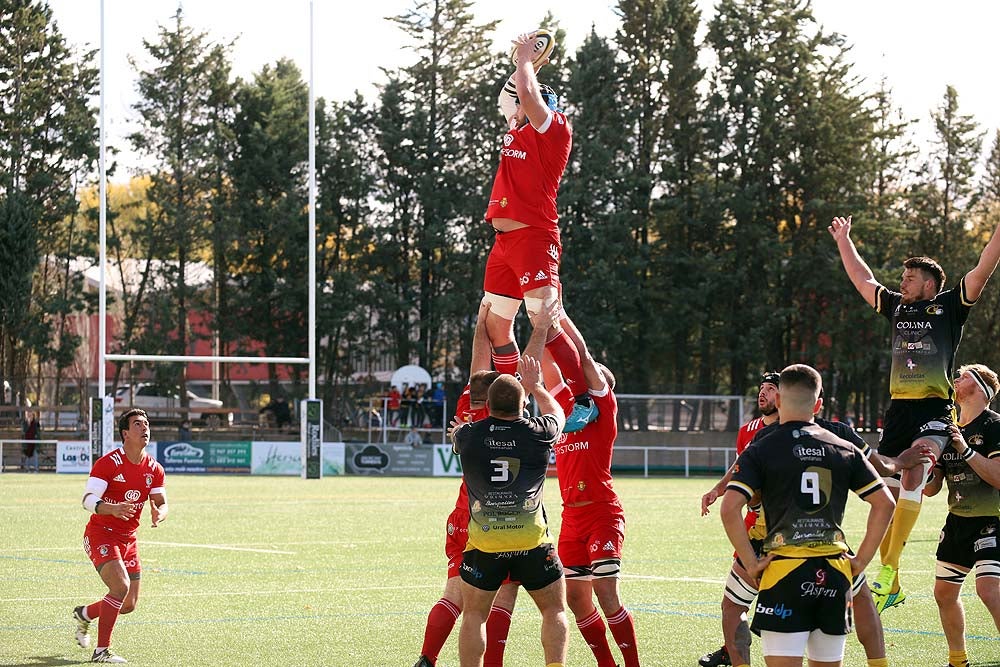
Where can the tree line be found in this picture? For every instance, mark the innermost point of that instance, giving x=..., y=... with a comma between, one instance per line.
x=693, y=211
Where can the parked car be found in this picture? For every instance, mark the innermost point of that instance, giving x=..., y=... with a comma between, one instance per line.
x=163, y=403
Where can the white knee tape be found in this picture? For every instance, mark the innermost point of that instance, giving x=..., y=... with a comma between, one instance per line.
x=502, y=306
x=917, y=494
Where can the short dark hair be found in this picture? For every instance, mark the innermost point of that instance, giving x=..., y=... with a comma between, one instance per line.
x=123, y=421
x=930, y=268
x=800, y=385
x=479, y=383
x=505, y=396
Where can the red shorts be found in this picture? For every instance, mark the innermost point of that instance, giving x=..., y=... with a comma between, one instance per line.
x=454, y=544
x=591, y=533
x=523, y=260
x=102, y=546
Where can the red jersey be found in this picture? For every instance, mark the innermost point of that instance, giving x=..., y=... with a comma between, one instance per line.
x=583, y=459
x=124, y=482
x=746, y=433
x=465, y=413
x=531, y=165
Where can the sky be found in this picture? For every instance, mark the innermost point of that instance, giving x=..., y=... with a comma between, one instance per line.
x=918, y=46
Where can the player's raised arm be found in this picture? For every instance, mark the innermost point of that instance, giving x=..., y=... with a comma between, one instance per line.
x=531, y=378
x=975, y=280
x=529, y=92
x=857, y=270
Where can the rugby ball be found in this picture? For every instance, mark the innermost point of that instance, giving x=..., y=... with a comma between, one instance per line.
x=545, y=42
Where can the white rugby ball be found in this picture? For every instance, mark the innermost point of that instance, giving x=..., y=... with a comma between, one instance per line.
x=545, y=42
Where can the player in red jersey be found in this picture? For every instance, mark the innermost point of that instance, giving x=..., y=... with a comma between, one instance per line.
x=736, y=599
x=524, y=260
x=444, y=614
x=118, y=487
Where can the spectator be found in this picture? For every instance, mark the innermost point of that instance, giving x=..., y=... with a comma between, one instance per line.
x=184, y=431
x=30, y=431
x=435, y=405
x=278, y=412
x=409, y=405
x=413, y=438
x=393, y=404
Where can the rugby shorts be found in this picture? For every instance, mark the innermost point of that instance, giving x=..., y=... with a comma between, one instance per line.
x=102, y=545
x=805, y=594
x=523, y=260
x=457, y=534
x=590, y=534
x=906, y=420
x=965, y=540
x=533, y=568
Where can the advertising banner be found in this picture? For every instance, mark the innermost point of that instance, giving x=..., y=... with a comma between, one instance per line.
x=391, y=459
x=312, y=439
x=446, y=462
x=205, y=457
x=285, y=458
x=333, y=458
x=73, y=456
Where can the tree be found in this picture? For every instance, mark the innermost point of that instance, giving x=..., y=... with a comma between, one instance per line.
x=177, y=126
x=47, y=139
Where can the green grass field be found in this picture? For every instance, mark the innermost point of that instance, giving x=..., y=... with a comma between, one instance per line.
x=342, y=571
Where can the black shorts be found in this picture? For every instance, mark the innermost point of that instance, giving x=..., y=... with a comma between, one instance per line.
x=967, y=539
x=906, y=420
x=805, y=594
x=535, y=568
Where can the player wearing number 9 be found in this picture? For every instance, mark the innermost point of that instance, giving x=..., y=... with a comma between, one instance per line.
x=803, y=474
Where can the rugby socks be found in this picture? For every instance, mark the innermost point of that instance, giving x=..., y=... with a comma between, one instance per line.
x=878, y=662
x=595, y=634
x=904, y=518
x=440, y=622
x=497, y=629
x=92, y=611
x=110, y=607
x=567, y=357
x=958, y=659
x=623, y=629
x=505, y=358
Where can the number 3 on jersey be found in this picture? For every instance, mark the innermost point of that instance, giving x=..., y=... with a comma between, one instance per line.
x=504, y=470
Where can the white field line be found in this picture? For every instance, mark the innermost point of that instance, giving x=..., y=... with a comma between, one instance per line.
x=283, y=591
x=219, y=547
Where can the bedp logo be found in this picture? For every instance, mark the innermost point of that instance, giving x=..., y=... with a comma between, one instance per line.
x=781, y=611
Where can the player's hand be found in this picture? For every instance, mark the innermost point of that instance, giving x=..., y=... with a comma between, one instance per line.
x=957, y=440
x=549, y=314
x=708, y=499
x=123, y=511
x=454, y=426
x=154, y=513
x=757, y=569
x=914, y=456
x=840, y=228
x=530, y=370
x=525, y=43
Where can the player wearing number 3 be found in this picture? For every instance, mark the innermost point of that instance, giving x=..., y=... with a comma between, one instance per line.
x=803, y=473
x=118, y=487
x=504, y=459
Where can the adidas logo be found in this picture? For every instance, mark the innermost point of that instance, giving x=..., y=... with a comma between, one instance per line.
x=119, y=478
x=608, y=546
x=540, y=275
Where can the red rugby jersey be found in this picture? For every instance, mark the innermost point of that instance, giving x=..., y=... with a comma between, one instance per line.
x=127, y=482
x=532, y=163
x=465, y=413
x=583, y=459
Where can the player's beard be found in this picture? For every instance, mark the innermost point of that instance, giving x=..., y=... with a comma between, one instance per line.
x=768, y=409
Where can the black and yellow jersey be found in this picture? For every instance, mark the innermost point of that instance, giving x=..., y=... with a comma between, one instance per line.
x=925, y=337
x=803, y=474
x=968, y=494
x=504, y=463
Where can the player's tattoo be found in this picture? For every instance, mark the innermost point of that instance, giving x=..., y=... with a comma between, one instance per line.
x=742, y=642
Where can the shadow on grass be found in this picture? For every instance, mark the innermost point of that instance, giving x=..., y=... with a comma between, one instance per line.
x=50, y=661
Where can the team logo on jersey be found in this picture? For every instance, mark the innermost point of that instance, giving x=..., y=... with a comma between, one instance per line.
x=530, y=504
x=581, y=485
x=503, y=202
x=525, y=279
x=476, y=507
x=119, y=478
x=103, y=549
x=553, y=251
x=935, y=309
x=451, y=528
x=911, y=364
x=149, y=480
x=820, y=577
x=976, y=440
x=508, y=139
x=132, y=495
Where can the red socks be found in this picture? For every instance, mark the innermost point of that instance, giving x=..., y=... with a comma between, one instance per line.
x=623, y=629
x=506, y=362
x=109, y=614
x=440, y=621
x=497, y=629
x=594, y=633
x=567, y=357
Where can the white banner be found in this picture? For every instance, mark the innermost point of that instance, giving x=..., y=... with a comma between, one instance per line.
x=333, y=458
x=73, y=456
x=446, y=462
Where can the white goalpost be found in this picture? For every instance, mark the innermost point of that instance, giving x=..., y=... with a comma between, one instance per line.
x=102, y=408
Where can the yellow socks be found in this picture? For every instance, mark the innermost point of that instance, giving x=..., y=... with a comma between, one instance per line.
x=958, y=659
x=903, y=520
x=878, y=662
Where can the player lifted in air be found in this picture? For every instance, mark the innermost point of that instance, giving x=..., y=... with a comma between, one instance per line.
x=927, y=326
x=524, y=261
